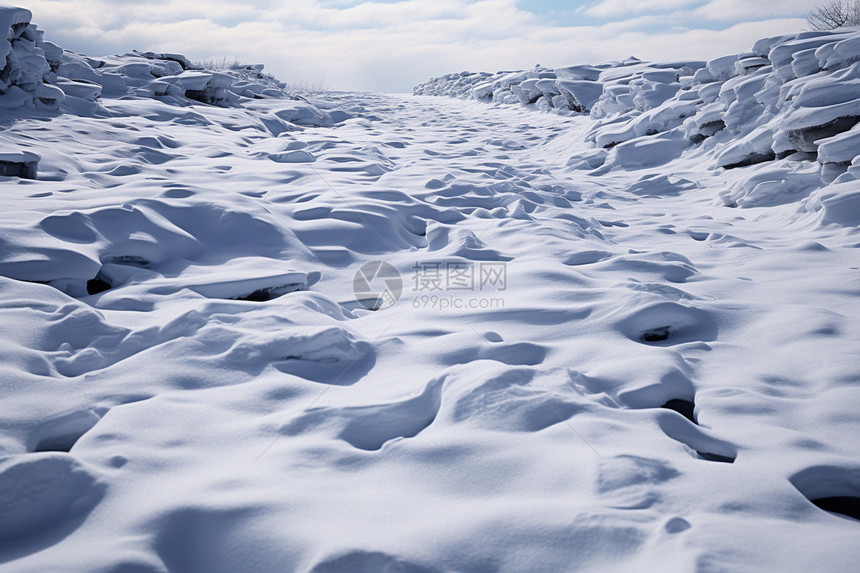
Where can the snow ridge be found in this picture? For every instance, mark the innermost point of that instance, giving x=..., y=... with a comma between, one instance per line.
x=791, y=100
x=39, y=74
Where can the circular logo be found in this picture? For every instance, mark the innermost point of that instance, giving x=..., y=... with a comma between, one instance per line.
x=377, y=285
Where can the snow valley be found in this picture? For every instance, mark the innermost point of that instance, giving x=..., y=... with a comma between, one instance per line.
x=595, y=318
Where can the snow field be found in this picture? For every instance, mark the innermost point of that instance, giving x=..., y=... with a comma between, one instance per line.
x=190, y=384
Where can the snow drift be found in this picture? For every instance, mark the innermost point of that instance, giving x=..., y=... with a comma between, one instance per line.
x=39, y=73
x=40, y=76
x=575, y=357
x=790, y=101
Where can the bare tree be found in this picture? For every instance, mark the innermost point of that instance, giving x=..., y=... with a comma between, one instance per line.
x=832, y=14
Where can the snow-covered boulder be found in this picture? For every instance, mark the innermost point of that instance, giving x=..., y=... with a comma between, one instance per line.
x=37, y=73
x=581, y=95
x=794, y=96
x=14, y=21
x=23, y=164
x=841, y=148
x=26, y=66
x=716, y=70
x=755, y=147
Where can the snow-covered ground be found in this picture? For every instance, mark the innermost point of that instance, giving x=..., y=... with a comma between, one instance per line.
x=380, y=332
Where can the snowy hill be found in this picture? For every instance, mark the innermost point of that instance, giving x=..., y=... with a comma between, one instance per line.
x=243, y=330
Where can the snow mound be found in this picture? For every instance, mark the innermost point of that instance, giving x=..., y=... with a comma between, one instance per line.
x=41, y=492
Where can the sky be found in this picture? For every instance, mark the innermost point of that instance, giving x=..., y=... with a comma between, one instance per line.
x=392, y=45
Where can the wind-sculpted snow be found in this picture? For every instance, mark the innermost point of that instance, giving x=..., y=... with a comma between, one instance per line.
x=39, y=75
x=29, y=64
x=791, y=101
x=371, y=332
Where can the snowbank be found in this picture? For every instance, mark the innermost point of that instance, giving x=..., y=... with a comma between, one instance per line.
x=39, y=74
x=793, y=98
x=600, y=90
x=38, y=77
x=169, y=77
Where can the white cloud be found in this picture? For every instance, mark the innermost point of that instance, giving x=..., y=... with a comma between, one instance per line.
x=734, y=10
x=376, y=46
x=615, y=8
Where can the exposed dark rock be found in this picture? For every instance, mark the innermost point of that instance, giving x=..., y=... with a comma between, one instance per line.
x=25, y=168
x=203, y=96
x=752, y=159
x=707, y=130
x=716, y=458
x=97, y=285
x=804, y=139
x=656, y=334
x=683, y=407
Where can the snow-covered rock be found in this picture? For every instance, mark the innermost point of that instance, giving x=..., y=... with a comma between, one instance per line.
x=755, y=147
x=37, y=73
x=841, y=148
x=14, y=21
x=792, y=96
x=26, y=66
x=23, y=164
x=171, y=78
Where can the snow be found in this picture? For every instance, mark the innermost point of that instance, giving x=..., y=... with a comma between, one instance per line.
x=13, y=20
x=618, y=335
x=841, y=148
x=840, y=204
x=754, y=147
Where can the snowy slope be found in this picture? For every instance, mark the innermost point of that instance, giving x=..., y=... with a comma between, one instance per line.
x=637, y=377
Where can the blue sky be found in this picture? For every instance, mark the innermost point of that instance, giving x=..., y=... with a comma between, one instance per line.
x=390, y=45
